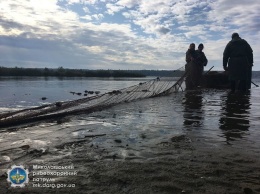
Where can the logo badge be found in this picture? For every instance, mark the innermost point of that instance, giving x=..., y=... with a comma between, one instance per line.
x=18, y=176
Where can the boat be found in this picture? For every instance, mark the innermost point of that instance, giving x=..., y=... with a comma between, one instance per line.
x=215, y=79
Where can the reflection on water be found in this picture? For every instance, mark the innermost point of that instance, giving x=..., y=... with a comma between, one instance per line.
x=193, y=113
x=235, y=112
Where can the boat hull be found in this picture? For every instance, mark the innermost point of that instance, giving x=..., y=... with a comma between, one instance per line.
x=215, y=79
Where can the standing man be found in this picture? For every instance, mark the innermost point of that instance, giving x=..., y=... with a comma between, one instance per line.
x=190, y=67
x=239, y=56
x=201, y=62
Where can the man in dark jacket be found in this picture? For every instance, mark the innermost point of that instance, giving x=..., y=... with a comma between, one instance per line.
x=201, y=61
x=239, y=56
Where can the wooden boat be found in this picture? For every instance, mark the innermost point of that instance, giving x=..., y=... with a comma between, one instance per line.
x=215, y=79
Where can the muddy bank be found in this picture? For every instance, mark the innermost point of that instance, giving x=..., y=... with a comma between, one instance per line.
x=179, y=165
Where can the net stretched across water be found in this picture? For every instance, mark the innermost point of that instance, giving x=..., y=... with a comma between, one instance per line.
x=152, y=88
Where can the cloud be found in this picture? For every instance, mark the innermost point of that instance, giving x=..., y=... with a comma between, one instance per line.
x=128, y=3
x=90, y=2
x=86, y=10
x=39, y=20
x=121, y=34
x=194, y=31
x=163, y=30
x=241, y=13
x=98, y=16
x=112, y=8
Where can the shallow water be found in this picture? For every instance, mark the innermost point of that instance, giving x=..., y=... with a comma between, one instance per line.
x=131, y=131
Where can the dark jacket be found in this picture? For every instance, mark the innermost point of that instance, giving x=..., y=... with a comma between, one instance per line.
x=193, y=69
x=239, y=56
x=201, y=58
x=190, y=55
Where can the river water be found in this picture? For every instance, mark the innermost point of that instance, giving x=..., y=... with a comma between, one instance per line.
x=216, y=118
x=24, y=92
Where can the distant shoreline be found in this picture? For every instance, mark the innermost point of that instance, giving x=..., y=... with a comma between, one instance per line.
x=63, y=72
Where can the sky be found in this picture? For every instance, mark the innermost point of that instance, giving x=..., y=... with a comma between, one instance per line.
x=122, y=34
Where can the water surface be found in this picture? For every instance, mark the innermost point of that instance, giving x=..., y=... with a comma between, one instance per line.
x=215, y=118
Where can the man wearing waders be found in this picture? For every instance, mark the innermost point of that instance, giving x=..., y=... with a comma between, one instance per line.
x=190, y=67
x=196, y=60
x=201, y=62
x=238, y=61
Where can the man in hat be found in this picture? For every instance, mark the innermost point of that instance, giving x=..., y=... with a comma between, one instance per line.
x=238, y=61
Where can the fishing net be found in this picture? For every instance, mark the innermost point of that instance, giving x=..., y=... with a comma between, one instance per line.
x=152, y=88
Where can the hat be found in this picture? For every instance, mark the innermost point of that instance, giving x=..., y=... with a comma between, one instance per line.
x=201, y=45
x=235, y=35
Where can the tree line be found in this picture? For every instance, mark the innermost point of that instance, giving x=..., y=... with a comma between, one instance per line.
x=62, y=72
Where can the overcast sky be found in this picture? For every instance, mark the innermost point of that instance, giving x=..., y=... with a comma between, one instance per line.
x=122, y=34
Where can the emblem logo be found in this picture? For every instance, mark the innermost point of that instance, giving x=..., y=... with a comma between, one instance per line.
x=18, y=176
